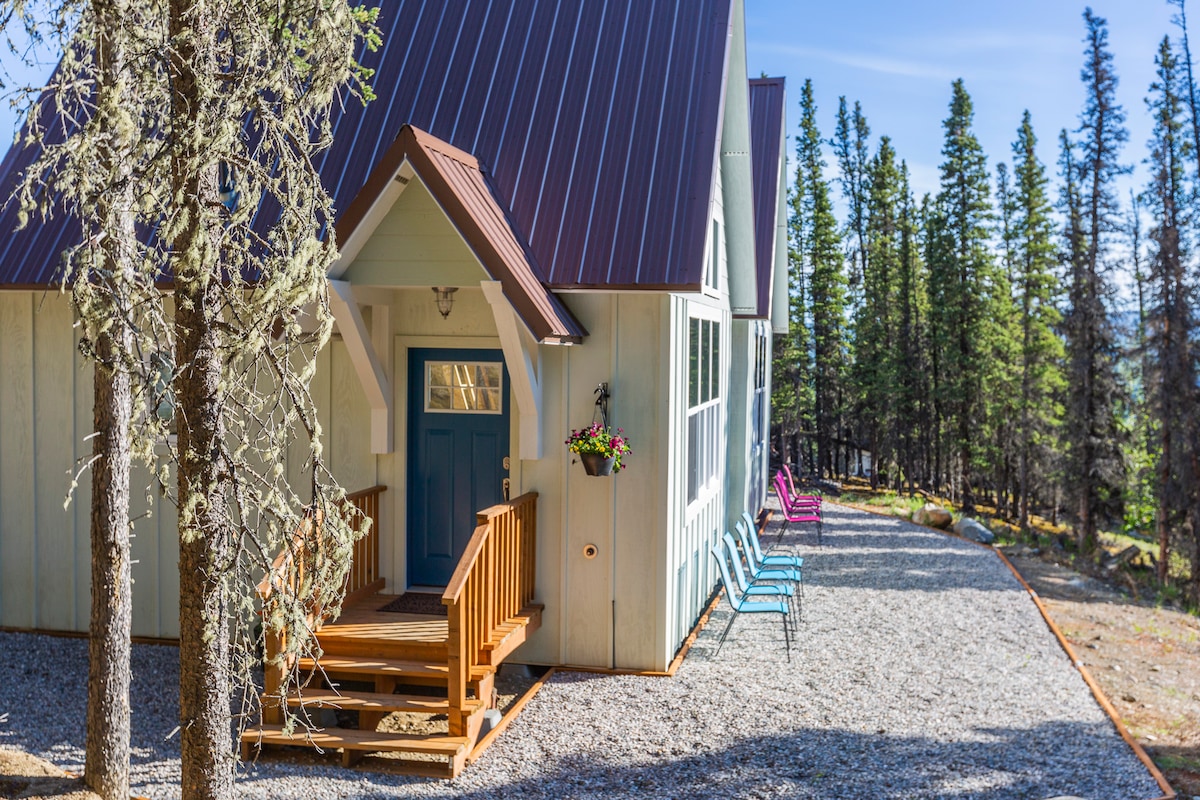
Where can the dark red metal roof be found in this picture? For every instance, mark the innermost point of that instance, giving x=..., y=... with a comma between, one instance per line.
x=597, y=123
x=767, y=110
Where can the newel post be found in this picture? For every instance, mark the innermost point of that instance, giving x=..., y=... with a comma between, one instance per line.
x=456, y=682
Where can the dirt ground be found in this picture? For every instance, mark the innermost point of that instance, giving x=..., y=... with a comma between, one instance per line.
x=28, y=778
x=1145, y=658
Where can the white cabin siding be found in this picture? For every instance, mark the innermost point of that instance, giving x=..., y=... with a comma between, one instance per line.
x=603, y=611
x=45, y=419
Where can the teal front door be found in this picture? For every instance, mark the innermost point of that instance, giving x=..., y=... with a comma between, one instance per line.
x=458, y=419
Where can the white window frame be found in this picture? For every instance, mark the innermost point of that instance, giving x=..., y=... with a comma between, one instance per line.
x=705, y=447
x=712, y=266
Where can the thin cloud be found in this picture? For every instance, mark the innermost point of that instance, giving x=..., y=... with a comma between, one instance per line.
x=870, y=62
x=975, y=42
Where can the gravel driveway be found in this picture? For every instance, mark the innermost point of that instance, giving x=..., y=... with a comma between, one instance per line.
x=923, y=670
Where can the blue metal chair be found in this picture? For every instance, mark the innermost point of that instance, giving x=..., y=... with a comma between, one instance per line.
x=758, y=573
x=753, y=588
x=767, y=560
x=742, y=605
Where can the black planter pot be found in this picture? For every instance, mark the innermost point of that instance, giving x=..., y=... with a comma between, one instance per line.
x=596, y=464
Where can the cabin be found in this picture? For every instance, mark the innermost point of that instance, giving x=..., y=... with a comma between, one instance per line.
x=544, y=201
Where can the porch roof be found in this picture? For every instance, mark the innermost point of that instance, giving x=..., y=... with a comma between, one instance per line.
x=461, y=186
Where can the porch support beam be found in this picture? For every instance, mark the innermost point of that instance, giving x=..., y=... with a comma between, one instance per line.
x=524, y=360
x=364, y=357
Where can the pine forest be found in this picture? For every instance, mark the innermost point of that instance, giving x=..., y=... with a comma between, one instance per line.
x=1022, y=343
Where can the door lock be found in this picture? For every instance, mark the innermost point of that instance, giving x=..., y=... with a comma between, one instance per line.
x=507, y=463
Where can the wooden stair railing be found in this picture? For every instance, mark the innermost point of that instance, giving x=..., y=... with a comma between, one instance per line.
x=289, y=571
x=492, y=585
x=363, y=578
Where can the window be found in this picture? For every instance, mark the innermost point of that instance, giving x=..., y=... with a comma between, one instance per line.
x=759, y=410
x=760, y=389
x=704, y=405
x=463, y=388
x=712, y=270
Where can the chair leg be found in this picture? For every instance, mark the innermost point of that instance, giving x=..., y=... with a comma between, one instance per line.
x=732, y=618
x=787, y=640
x=799, y=592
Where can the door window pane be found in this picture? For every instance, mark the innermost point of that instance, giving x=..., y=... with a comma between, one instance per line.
x=464, y=387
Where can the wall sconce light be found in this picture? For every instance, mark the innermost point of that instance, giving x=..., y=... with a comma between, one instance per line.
x=445, y=298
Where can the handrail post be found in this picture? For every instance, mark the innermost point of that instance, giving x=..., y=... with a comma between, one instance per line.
x=459, y=668
x=273, y=677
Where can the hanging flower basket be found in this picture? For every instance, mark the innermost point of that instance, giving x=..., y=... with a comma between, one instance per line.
x=599, y=448
x=597, y=464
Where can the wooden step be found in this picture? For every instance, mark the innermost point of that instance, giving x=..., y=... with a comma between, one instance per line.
x=395, y=668
x=512, y=634
x=416, y=672
x=375, y=701
x=453, y=748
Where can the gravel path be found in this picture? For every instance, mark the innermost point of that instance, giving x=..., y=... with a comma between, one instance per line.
x=923, y=670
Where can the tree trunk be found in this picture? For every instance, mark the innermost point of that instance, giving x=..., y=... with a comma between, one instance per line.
x=106, y=759
x=206, y=546
x=204, y=551
x=106, y=763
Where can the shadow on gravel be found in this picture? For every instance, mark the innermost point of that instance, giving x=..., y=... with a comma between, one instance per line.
x=862, y=551
x=901, y=570
x=830, y=765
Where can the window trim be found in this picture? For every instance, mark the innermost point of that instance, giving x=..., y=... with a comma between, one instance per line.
x=703, y=409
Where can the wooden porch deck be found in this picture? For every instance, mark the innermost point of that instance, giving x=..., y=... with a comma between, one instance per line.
x=399, y=656
x=362, y=620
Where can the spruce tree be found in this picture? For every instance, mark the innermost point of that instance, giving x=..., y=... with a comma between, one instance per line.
x=210, y=90
x=938, y=260
x=911, y=346
x=1096, y=467
x=851, y=146
x=1192, y=535
x=821, y=246
x=1172, y=325
x=962, y=265
x=1033, y=254
x=791, y=370
x=1003, y=360
x=875, y=363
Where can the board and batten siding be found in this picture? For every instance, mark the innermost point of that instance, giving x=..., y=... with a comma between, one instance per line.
x=604, y=611
x=45, y=419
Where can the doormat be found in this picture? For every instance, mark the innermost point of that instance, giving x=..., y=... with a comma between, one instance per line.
x=417, y=603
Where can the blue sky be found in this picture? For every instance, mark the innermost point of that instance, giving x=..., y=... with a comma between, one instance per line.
x=899, y=59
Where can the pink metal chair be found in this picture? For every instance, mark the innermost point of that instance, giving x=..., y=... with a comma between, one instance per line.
x=795, y=514
x=794, y=502
x=792, y=486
